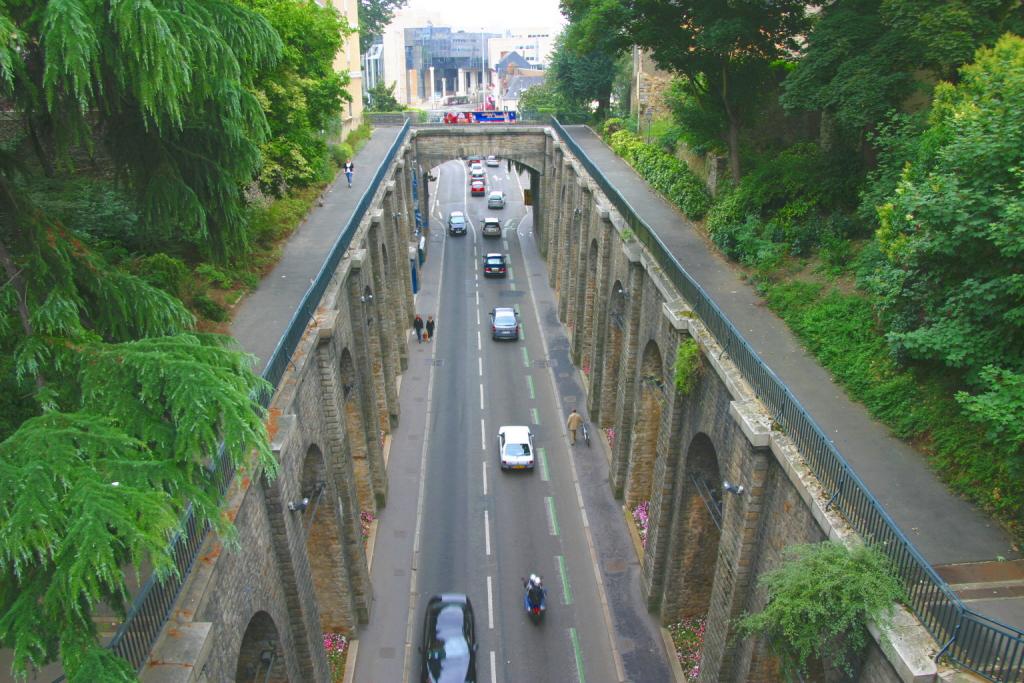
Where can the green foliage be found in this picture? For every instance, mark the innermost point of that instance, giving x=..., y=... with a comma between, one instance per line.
x=951, y=288
x=687, y=366
x=612, y=125
x=166, y=272
x=546, y=100
x=209, y=309
x=820, y=601
x=702, y=124
x=664, y=172
x=999, y=407
x=842, y=332
x=358, y=137
x=340, y=153
x=382, y=97
x=153, y=83
x=301, y=95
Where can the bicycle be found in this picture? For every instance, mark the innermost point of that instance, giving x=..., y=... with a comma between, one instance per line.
x=586, y=433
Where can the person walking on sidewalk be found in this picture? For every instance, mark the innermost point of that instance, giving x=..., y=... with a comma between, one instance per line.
x=430, y=328
x=417, y=324
x=574, y=423
x=349, y=168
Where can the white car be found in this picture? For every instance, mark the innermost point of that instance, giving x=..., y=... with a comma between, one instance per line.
x=515, y=448
x=476, y=169
x=492, y=160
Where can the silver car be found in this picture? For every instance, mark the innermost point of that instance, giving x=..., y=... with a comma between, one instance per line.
x=496, y=200
x=492, y=160
x=491, y=228
x=504, y=324
x=515, y=448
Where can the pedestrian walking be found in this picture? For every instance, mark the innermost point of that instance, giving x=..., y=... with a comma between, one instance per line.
x=417, y=324
x=574, y=423
x=430, y=327
x=349, y=169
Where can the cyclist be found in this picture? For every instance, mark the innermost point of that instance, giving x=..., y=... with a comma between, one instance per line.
x=575, y=422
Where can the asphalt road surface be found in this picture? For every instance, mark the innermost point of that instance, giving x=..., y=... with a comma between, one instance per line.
x=481, y=529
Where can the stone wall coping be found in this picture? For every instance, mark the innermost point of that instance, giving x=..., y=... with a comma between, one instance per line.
x=752, y=421
x=631, y=249
x=178, y=653
x=357, y=257
x=376, y=216
x=326, y=323
x=389, y=187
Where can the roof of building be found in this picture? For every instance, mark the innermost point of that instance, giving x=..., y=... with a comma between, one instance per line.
x=518, y=84
x=512, y=59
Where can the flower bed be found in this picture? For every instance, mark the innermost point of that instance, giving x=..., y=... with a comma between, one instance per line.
x=336, y=646
x=688, y=639
x=610, y=434
x=642, y=518
x=365, y=520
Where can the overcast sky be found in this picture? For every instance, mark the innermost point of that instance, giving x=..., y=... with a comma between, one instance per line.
x=491, y=15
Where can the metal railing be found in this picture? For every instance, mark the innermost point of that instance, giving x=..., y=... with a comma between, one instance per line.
x=985, y=646
x=152, y=606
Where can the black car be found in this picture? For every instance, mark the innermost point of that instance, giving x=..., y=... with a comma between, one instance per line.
x=448, y=647
x=494, y=265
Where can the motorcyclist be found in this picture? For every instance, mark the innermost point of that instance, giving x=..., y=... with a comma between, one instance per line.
x=535, y=590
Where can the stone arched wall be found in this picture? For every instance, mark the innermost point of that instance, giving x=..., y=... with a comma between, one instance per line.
x=614, y=337
x=355, y=432
x=650, y=401
x=260, y=658
x=325, y=548
x=590, y=291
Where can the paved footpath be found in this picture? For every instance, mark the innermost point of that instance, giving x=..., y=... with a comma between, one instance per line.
x=263, y=316
x=946, y=529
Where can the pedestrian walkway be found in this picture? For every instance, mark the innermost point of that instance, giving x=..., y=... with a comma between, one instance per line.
x=946, y=529
x=263, y=316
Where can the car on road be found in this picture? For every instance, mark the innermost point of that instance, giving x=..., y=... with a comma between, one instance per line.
x=477, y=174
x=495, y=265
x=448, y=647
x=456, y=223
x=496, y=200
x=492, y=227
x=515, y=448
x=477, y=188
x=504, y=323
x=492, y=160
x=474, y=159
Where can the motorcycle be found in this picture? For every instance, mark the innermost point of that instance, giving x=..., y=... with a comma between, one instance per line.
x=535, y=600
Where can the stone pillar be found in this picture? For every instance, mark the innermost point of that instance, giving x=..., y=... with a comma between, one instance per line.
x=604, y=232
x=460, y=84
x=624, y=409
x=580, y=247
x=553, y=215
x=398, y=280
x=383, y=308
x=366, y=353
x=433, y=86
x=570, y=225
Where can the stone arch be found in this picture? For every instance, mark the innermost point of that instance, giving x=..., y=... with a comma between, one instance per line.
x=615, y=333
x=650, y=399
x=589, y=308
x=261, y=657
x=356, y=433
x=325, y=547
x=697, y=512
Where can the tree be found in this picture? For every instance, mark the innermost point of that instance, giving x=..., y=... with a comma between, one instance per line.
x=545, y=99
x=951, y=287
x=583, y=77
x=302, y=94
x=724, y=49
x=123, y=405
x=865, y=58
x=374, y=17
x=382, y=97
x=152, y=84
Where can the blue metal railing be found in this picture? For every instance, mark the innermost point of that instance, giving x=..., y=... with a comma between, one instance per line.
x=985, y=646
x=152, y=606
